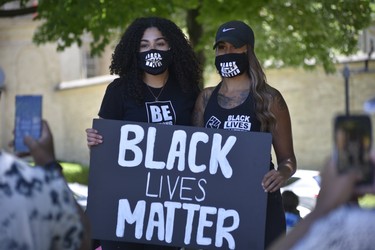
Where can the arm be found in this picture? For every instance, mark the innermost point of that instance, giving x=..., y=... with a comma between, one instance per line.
x=282, y=142
x=335, y=190
x=200, y=106
x=42, y=151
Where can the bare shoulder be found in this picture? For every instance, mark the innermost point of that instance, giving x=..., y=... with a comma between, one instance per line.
x=208, y=91
x=206, y=94
x=200, y=106
x=278, y=99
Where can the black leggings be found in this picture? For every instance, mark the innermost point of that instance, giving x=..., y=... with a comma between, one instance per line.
x=275, y=219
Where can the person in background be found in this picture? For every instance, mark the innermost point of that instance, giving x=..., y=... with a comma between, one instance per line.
x=337, y=221
x=159, y=77
x=38, y=210
x=245, y=95
x=290, y=204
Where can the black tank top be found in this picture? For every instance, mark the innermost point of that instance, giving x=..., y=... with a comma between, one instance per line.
x=240, y=118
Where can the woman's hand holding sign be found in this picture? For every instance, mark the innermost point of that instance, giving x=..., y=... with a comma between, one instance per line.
x=93, y=138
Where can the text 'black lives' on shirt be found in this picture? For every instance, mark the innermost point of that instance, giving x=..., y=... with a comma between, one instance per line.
x=240, y=118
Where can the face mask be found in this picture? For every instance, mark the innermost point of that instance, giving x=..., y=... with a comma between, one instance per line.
x=231, y=65
x=155, y=61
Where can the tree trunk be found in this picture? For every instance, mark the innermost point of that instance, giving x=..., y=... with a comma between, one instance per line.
x=195, y=31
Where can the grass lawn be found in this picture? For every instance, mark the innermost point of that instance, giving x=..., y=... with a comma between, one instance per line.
x=367, y=201
x=74, y=172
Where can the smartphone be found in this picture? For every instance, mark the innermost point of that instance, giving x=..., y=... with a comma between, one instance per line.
x=28, y=120
x=353, y=141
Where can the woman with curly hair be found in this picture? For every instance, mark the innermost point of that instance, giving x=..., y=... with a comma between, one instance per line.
x=244, y=96
x=156, y=66
x=158, y=82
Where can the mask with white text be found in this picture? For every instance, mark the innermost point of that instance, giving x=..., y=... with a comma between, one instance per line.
x=231, y=65
x=155, y=61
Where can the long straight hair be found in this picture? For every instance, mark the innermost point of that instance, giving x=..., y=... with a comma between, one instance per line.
x=262, y=92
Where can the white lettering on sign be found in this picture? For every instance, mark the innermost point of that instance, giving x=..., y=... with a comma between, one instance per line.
x=218, y=155
x=156, y=221
x=177, y=150
x=132, y=135
x=149, y=162
x=188, y=187
x=125, y=214
x=131, y=145
x=195, y=139
x=161, y=222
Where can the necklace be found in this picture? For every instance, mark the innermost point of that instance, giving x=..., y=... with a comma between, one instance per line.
x=152, y=93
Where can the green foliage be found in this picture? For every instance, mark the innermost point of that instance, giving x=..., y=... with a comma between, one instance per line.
x=287, y=32
x=74, y=172
x=367, y=201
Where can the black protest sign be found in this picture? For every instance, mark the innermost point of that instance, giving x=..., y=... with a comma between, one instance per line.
x=178, y=185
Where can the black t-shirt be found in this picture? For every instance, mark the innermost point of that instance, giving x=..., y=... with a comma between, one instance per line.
x=174, y=107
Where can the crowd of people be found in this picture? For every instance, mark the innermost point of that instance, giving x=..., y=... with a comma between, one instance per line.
x=158, y=82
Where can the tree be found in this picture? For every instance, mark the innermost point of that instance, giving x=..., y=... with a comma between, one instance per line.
x=287, y=32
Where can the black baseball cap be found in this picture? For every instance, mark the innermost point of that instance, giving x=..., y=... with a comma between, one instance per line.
x=237, y=33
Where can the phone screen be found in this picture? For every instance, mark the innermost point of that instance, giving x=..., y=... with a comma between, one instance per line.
x=28, y=120
x=353, y=139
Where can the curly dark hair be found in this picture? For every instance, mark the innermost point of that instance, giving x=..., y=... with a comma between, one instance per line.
x=185, y=67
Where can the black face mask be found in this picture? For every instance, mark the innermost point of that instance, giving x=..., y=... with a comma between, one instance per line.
x=231, y=65
x=155, y=61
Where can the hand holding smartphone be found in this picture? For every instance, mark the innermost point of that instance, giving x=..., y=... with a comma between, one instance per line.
x=28, y=120
x=353, y=141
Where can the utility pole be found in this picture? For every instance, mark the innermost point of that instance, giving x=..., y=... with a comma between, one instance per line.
x=346, y=74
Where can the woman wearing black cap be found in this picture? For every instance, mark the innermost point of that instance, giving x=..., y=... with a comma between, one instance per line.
x=244, y=92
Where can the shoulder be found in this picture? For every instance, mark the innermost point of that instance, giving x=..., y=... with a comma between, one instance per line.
x=277, y=98
x=13, y=165
x=116, y=84
x=116, y=88
x=357, y=221
x=273, y=91
x=207, y=92
x=203, y=98
x=205, y=95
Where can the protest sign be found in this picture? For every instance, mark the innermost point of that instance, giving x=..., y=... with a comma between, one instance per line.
x=178, y=185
